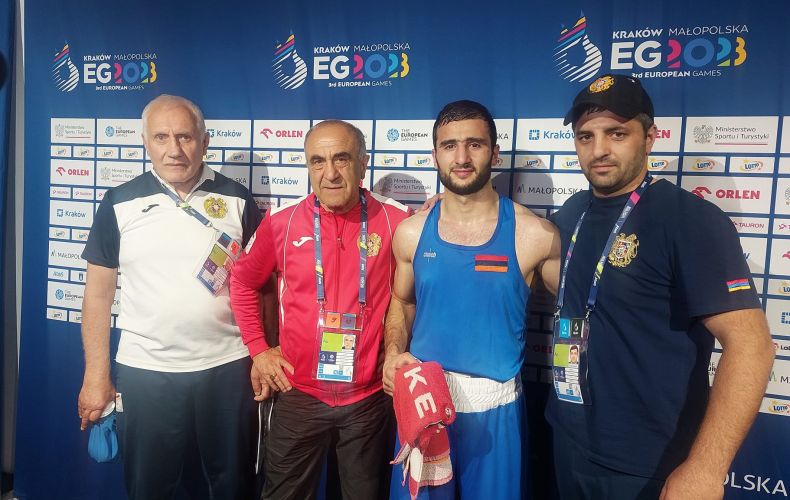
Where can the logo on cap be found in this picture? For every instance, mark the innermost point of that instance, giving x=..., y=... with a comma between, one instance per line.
x=601, y=84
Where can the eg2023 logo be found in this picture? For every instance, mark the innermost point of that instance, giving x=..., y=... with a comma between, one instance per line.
x=107, y=72
x=364, y=65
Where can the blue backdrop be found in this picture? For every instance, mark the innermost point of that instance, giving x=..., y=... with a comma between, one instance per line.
x=262, y=72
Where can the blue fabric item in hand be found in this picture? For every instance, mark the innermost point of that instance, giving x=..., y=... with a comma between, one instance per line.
x=103, y=440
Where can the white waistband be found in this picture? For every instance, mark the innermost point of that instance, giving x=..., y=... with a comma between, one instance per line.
x=477, y=394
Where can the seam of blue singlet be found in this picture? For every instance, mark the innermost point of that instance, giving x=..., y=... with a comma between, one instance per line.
x=466, y=248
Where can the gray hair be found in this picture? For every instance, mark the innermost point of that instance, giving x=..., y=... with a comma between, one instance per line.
x=358, y=135
x=176, y=101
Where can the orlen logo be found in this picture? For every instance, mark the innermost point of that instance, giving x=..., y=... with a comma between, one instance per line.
x=570, y=38
x=73, y=171
x=779, y=407
x=729, y=194
x=266, y=132
x=289, y=70
x=64, y=73
x=751, y=165
x=60, y=170
x=657, y=164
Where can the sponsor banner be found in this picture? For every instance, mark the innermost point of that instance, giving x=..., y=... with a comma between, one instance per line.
x=276, y=181
x=544, y=134
x=504, y=132
x=80, y=234
x=126, y=131
x=420, y=160
x=60, y=151
x=84, y=152
x=551, y=189
x=78, y=276
x=785, y=147
x=75, y=316
x=533, y=162
x=83, y=194
x=228, y=133
x=100, y=194
x=59, y=192
x=704, y=163
x=67, y=254
x=781, y=227
x=288, y=134
x=404, y=135
x=566, y=162
x=780, y=257
x=388, y=160
x=70, y=213
x=365, y=126
x=213, y=156
x=539, y=349
x=232, y=156
x=107, y=153
x=784, y=165
x=409, y=186
x=56, y=314
x=67, y=295
x=115, y=173
x=504, y=161
x=731, y=134
x=265, y=203
x=293, y=158
x=72, y=130
x=782, y=347
x=750, y=225
x=60, y=233
x=659, y=164
x=732, y=194
x=266, y=157
x=132, y=153
x=668, y=134
x=238, y=173
x=754, y=250
x=773, y=406
x=782, y=204
x=752, y=165
x=71, y=172
x=780, y=287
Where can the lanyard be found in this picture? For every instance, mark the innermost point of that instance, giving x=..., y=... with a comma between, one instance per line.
x=363, y=250
x=186, y=207
x=636, y=195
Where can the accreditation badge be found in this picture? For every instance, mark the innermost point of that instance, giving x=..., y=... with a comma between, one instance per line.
x=214, y=268
x=337, y=346
x=569, y=366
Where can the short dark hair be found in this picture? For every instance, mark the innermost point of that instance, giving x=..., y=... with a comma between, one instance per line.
x=465, y=110
x=574, y=347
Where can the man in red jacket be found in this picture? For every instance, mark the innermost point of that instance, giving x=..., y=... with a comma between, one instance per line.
x=332, y=255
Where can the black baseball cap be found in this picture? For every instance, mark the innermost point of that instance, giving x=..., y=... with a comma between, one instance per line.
x=621, y=94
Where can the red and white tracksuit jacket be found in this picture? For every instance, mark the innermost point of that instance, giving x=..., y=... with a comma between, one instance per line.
x=283, y=244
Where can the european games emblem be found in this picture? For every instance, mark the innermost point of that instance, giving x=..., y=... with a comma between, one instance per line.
x=393, y=135
x=109, y=131
x=570, y=38
x=284, y=52
x=64, y=73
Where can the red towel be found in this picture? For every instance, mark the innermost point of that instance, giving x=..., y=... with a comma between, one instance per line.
x=423, y=407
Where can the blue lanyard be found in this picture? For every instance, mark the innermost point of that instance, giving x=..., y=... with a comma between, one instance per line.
x=186, y=207
x=636, y=195
x=363, y=250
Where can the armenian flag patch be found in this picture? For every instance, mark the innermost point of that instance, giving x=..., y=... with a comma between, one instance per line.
x=491, y=263
x=735, y=285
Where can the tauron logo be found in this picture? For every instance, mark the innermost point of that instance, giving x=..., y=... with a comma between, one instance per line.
x=570, y=38
x=64, y=72
x=283, y=52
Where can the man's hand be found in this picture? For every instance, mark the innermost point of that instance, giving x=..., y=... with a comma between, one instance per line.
x=259, y=386
x=430, y=202
x=391, y=363
x=688, y=481
x=93, y=399
x=269, y=366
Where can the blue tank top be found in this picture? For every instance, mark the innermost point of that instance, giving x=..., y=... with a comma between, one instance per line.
x=471, y=301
